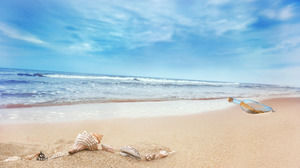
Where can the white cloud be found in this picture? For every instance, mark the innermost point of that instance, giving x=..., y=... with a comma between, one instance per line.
x=19, y=35
x=84, y=47
x=223, y=26
x=284, y=13
x=271, y=14
x=136, y=24
x=81, y=47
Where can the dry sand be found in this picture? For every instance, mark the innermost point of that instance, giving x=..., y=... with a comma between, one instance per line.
x=228, y=138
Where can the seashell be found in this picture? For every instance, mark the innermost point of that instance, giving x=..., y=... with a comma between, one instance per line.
x=149, y=157
x=107, y=148
x=41, y=157
x=30, y=157
x=59, y=154
x=98, y=137
x=87, y=141
x=130, y=151
x=162, y=154
x=12, y=158
x=123, y=154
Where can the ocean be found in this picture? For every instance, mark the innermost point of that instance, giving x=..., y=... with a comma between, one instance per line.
x=30, y=88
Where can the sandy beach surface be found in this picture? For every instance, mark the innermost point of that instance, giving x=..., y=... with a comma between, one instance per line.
x=228, y=138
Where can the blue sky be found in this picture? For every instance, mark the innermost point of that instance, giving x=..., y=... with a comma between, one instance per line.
x=222, y=40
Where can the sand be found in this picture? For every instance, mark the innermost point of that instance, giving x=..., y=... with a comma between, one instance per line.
x=228, y=138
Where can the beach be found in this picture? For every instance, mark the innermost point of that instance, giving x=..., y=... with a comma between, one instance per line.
x=226, y=137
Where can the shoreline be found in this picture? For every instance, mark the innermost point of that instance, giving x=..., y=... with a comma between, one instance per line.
x=100, y=101
x=111, y=110
x=222, y=138
x=103, y=101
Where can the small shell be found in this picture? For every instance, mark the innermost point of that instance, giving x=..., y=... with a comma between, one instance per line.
x=149, y=157
x=123, y=154
x=59, y=154
x=130, y=151
x=41, y=157
x=107, y=148
x=30, y=157
x=13, y=158
x=162, y=154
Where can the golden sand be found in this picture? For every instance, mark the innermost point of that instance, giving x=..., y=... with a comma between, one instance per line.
x=228, y=138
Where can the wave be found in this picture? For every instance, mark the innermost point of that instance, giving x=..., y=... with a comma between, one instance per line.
x=29, y=74
x=184, y=82
x=144, y=80
x=87, y=77
x=8, y=82
x=96, y=101
x=18, y=94
x=7, y=73
x=13, y=82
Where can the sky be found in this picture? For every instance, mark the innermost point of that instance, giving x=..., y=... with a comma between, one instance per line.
x=255, y=41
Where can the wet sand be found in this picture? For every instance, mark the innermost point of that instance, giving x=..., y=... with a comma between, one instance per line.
x=223, y=138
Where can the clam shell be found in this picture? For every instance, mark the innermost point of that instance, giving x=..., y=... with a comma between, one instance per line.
x=130, y=151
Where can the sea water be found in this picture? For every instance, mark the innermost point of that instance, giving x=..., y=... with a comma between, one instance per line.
x=31, y=88
x=90, y=96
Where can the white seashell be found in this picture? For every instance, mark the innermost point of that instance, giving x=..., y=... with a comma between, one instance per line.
x=162, y=154
x=13, y=158
x=123, y=154
x=30, y=157
x=130, y=151
x=87, y=140
x=59, y=154
x=107, y=148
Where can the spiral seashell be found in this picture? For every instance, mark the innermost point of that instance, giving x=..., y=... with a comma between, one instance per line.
x=87, y=141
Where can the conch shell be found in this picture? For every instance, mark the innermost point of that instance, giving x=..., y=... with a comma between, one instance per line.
x=86, y=141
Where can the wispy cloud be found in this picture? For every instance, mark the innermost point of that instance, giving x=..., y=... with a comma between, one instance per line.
x=134, y=24
x=181, y=34
x=19, y=35
x=280, y=13
x=286, y=13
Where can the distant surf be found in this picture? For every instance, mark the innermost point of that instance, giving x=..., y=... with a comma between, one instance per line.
x=29, y=88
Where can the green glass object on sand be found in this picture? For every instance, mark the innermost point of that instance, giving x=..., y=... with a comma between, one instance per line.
x=251, y=106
